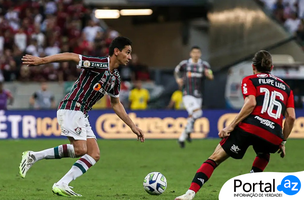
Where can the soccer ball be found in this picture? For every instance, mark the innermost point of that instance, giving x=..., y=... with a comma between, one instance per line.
x=155, y=183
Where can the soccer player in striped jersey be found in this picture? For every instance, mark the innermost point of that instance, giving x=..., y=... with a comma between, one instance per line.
x=98, y=77
x=259, y=123
x=189, y=76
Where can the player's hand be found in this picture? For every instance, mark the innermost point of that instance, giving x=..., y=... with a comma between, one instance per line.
x=180, y=82
x=282, y=151
x=139, y=133
x=225, y=132
x=31, y=60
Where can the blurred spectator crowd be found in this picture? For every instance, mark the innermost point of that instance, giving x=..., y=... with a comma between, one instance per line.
x=290, y=13
x=47, y=27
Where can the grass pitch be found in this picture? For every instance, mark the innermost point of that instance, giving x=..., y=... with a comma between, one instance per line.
x=124, y=164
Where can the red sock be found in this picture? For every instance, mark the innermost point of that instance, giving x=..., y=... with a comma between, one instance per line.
x=202, y=175
x=260, y=162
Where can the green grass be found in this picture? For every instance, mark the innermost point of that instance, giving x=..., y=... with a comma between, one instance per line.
x=124, y=164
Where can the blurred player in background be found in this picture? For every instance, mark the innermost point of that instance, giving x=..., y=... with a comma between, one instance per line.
x=176, y=100
x=189, y=76
x=99, y=76
x=43, y=98
x=6, y=97
x=259, y=123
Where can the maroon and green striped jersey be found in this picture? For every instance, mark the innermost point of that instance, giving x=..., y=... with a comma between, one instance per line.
x=192, y=74
x=94, y=82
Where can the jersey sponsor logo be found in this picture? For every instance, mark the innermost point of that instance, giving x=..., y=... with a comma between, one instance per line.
x=86, y=63
x=245, y=91
x=235, y=149
x=194, y=74
x=98, y=88
x=266, y=122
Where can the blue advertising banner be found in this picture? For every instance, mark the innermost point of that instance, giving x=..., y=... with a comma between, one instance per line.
x=156, y=124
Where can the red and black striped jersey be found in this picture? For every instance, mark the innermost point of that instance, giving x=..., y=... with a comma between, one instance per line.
x=94, y=82
x=192, y=74
x=273, y=97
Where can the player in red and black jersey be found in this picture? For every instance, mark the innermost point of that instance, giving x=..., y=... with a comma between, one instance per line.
x=99, y=77
x=259, y=123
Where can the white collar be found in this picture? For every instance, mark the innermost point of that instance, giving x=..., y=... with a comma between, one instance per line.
x=199, y=61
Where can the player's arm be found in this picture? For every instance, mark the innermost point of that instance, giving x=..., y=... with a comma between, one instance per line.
x=209, y=74
x=122, y=114
x=61, y=57
x=249, y=93
x=207, y=71
x=248, y=107
x=32, y=99
x=177, y=76
x=53, y=103
x=290, y=116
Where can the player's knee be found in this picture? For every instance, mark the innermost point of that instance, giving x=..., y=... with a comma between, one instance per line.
x=96, y=156
x=80, y=151
x=197, y=114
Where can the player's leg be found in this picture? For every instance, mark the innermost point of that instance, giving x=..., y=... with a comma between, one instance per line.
x=197, y=113
x=194, y=112
x=260, y=162
x=30, y=157
x=61, y=151
x=262, y=150
x=89, y=152
x=204, y=172
x=234, y=146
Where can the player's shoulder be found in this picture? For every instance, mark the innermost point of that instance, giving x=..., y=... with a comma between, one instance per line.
x=183, y=62
x=246, y=78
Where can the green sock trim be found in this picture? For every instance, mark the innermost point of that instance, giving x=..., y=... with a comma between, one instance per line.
x=80, y=167
x=56, y=151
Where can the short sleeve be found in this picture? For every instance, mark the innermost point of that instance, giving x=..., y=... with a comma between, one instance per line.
x=290, y=101
x=114, y=92
x=248, y=87
x=180, y=67
x=206, y=65
x=92, y=63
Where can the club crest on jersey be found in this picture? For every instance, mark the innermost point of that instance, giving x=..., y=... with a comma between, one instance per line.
x=86, y=63
x=78, y=130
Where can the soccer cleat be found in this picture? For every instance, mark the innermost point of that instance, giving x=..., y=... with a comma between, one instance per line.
x=64, y=190
x=181, y=144
x=27, y=161
x=190, y=194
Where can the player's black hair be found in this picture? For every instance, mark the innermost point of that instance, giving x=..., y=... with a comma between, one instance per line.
x=119, y=43
x=195, y=47
x=262, y=60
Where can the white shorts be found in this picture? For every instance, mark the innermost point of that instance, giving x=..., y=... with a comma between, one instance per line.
x=75, y=124
x=192, y=103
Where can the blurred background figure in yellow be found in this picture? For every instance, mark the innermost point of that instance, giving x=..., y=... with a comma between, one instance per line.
x=176, y=101
x=139, y=97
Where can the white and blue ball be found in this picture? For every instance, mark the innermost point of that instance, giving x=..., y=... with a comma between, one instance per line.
x=155, y=183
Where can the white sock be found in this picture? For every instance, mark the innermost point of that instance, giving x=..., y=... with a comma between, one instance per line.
x=65, y=150
x=183, y=136
x=80, y=167
x=190, y=125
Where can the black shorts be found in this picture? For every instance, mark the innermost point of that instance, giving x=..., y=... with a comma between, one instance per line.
x=237, y=143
